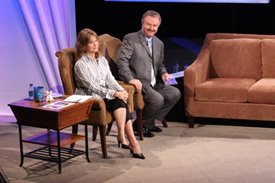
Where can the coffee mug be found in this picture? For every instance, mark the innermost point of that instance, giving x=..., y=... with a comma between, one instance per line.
x=39, y=93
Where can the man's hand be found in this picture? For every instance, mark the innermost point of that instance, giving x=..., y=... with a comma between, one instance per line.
x=136, y=83
x=165, y=76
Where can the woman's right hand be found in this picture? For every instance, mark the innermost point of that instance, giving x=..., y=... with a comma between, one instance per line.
x=123, y=95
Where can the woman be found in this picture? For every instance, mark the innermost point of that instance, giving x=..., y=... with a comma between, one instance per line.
x=93, y=77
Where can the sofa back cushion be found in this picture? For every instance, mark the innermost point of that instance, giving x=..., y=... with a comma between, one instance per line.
x=238, y=58
x=268, y=57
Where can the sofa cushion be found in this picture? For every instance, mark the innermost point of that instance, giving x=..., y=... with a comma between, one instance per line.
x=268, y=57
x=262, y=92
x=237, y=58
x=224, y=90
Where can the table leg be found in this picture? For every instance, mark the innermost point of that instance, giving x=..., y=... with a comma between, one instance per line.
x=59, y=151
x=21, y=145
x=86, y=143
x=74, y=131
x=50, y=148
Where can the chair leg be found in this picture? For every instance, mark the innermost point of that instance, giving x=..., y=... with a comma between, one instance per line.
x=109, y=128
x=191, y=121
x=164, y=123
x=94, y=132
x=131, y=115
x=102, y=130
x=74, y=131
x=139, y=124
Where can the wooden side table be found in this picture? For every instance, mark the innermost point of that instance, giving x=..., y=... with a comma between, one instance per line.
x=54, y=142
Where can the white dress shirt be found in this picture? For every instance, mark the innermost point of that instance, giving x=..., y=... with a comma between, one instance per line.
x=153, y=78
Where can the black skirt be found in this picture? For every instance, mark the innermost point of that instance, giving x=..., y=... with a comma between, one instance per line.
x=112, y=105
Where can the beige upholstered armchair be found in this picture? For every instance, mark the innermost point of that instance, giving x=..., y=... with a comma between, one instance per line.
x=109, y=46
x=99, y=116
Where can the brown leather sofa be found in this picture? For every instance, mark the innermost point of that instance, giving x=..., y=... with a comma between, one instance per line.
x=233, y=77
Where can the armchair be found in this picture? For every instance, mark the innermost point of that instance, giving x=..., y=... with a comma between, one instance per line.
x=109, y=46
x=99, y=116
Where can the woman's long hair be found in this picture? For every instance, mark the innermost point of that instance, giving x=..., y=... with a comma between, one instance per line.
x=83, y=38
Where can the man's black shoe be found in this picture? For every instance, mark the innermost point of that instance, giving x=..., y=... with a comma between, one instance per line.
x=147, y=133
x=155, y=129
x=134, y=126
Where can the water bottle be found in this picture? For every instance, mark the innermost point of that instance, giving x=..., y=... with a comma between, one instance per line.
x=31, y=92
x=176, y=68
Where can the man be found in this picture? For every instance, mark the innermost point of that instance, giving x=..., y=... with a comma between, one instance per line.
x=140, y=62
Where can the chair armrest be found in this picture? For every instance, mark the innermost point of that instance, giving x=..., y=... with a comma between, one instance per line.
x=137, y=96
x=138, y=100
x=131, y=90
x=98, y=114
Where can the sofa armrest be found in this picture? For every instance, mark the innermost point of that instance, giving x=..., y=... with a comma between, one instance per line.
x=196, y=73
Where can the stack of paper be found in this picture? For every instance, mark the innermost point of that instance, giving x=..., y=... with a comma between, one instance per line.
x=58, y=105
x=77, y=98
x=57, y=95
x=173, y=76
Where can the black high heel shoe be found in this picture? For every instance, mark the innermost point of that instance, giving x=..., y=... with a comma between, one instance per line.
x=137, y=155
x=123, y=146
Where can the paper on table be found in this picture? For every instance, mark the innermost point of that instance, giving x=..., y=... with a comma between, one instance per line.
x=77, y=98
x=57, y=95
x=58, y=105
